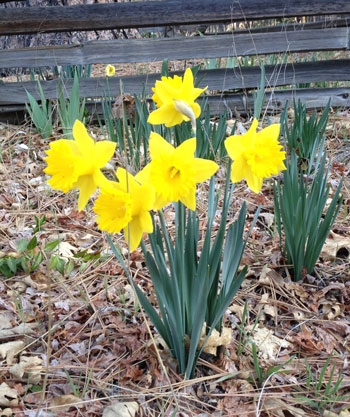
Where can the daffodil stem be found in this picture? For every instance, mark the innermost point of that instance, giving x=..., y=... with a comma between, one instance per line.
x=194, y=129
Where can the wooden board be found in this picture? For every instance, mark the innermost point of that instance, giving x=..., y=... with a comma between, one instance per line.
x=220, y=79
x=151, y=50
x=158, y=13
x=275, y=103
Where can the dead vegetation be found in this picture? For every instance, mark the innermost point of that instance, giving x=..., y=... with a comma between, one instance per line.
x=72, y=333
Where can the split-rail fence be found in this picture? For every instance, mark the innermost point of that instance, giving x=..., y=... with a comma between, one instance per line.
x=330, y=32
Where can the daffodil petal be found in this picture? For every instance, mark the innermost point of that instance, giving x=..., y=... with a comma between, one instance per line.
x=82, y=137
x=126, y=180
x=165, y=114
x=272, y=132
x=235, y=146
x=204, y=169
x=103, y=152
x=136, y=233
x=238, y=170
x=146, y=222
x=189, y=200
x=100, y=180
x=166, y=92
x=143, y=176
x=175, y=119
x=188, y=148
x=252, y=129
x=159, y=146
x=196, y=109
x=86, y=187
x=159, y=202
x=254, y=182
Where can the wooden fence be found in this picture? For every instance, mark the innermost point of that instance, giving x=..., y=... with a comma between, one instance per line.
x=330, y=35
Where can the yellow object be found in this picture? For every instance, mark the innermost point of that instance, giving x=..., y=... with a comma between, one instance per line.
x=175, y=100
x=125, y=205
x=77, y=163
x=174, y=172
x=110, y=70
x=256, y=155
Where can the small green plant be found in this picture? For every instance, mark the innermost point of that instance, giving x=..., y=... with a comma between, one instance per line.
x=259, y=96
x=319, y=393
x=78, y=390
x=261, y=374
x=71, y=109
x=69, y=71
x=41, y=114
x=304, y=134
x=17, y=299
x=300, y=207
x=243, y=335
x=30, y=255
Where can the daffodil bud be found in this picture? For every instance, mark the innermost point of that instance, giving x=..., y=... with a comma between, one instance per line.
x=110, y=70
x=183, y=108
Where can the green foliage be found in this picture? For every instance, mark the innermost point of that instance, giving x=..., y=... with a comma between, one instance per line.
x=304, y=134
x=261, y=374
x=259, y=96
x=30, y=255
x=70, y=109
x=131, y=132
x=69, y=71
x=300, y=207
x=216, y=63
x=41, y=115
x=193, y=293
x=63, y=72
x=110, y=123
x=319, y=393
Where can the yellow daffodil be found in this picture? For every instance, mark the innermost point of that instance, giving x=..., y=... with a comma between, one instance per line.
x=77, y=163
x=125, y=205
x=174, y=98
x=256, y=155
x=174, y=173
x=110, y=70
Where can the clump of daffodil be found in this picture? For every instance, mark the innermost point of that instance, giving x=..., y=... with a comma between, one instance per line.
x=77, y=163
x=256, y=155
x=175, y=101
x=110, y=70
x=174, y=172
x=125, y=205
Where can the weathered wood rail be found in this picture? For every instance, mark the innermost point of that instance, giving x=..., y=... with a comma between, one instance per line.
x=156, y=13
x=146, y=50
x=283, y=39
x=220, y=79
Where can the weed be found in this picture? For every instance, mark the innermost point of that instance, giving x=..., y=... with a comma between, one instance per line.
x=322, y=394
x=41, y=115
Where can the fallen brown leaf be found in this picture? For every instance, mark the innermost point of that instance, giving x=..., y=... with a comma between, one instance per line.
x=8, y=396
x=122, y=409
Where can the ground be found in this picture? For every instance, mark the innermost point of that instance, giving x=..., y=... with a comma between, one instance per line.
x=80, y=336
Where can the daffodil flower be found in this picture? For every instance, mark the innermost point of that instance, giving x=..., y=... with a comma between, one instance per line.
x=174, y=172
x=256, y=155
x=175, y=100
x=110, y=70
x=77, y=163
x=125, y=205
